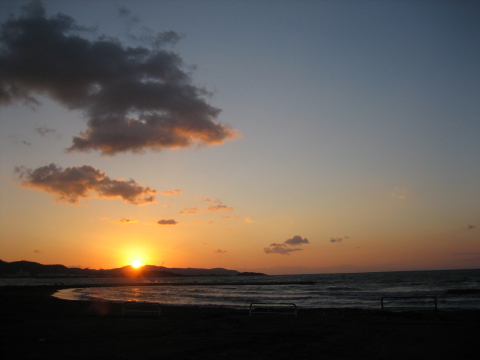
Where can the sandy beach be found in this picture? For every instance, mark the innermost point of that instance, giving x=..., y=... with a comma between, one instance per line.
x=35, y=325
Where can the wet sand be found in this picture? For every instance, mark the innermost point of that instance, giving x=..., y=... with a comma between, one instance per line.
x=35, y=325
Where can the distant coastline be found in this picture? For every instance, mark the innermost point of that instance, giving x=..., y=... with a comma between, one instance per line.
x=29, y=269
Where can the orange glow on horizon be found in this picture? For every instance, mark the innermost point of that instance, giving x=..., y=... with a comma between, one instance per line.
x=136, y=263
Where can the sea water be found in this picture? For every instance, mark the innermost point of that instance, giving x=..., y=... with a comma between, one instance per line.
x=452, y=289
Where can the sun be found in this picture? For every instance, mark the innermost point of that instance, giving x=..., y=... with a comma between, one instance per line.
x=136, y=263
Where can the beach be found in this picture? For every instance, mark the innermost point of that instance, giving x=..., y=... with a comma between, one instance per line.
x=35, y=325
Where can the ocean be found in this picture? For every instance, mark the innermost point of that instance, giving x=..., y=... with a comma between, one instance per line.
x=451, y=289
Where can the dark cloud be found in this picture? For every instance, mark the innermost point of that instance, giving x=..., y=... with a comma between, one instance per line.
x=167, y=222
x=471, y=227
x=296, y=240
x=283, y=249
x=335, y=239
x=26, y=143
x=135, y=98
x=221, y=252
x=70, y=184
x=37, y=251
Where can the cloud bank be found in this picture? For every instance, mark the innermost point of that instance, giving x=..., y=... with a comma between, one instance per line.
x=135, y=98
x=70, y=184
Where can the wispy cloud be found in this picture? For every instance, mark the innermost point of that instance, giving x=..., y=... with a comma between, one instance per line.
x=135, y=98
x=471, y=227
x=46, y=131
x=123, y=221
x=171, y=192
x=219, y=251
x=73, y=183
x=336, y=240
x=218, y=207
x=189, y=211
x=279, y=249
x=400, y=194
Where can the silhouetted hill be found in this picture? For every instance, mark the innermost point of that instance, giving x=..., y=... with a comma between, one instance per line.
x=32, y=269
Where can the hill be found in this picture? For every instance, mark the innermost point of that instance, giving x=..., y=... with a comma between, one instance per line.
x=33, y=269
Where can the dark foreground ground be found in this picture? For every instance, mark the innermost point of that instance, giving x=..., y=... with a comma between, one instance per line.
x=34, y=325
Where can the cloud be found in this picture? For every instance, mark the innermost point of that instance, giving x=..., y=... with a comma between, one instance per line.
x=44, y=131
x=218, y=207
x=399, y=194
x=70, y=184
x=296, y=240
x=335, y=239
x=171, y=192
x=135, y=98
x=123, y=221
x=221, y=252
x=37, y=251
x=248, y=220
x=27, y=143
x=279, y=249
x=189, y=211
x=283, y=249
x=471, y=227
x=167, y=222
x=127, y=221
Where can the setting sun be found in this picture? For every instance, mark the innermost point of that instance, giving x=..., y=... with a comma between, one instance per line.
x=136, y=263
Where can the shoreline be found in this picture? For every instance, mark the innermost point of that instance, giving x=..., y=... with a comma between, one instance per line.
x=36, y=325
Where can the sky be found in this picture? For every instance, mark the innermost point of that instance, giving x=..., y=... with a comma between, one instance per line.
x=285, y=137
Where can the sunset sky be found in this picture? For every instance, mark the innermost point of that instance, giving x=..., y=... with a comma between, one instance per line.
x=277, y=136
